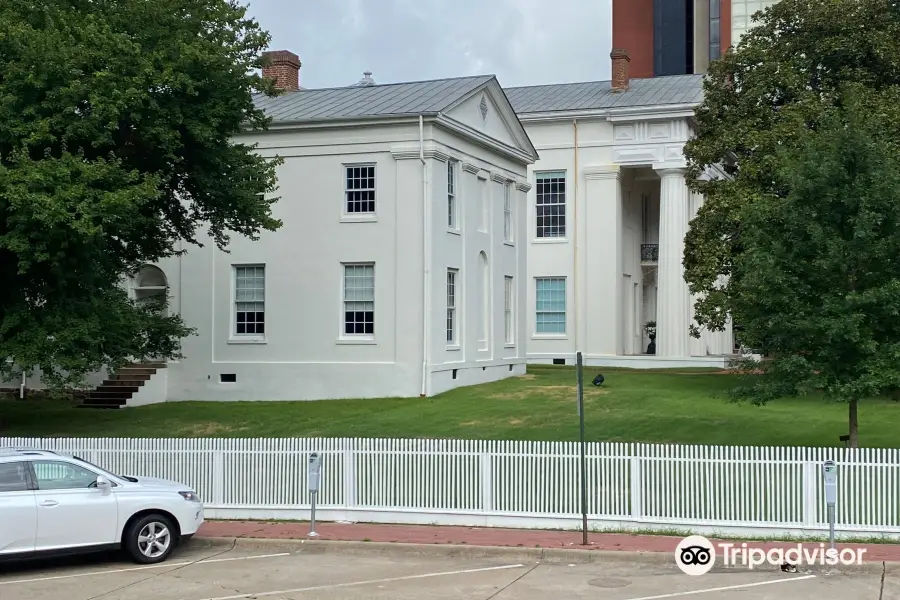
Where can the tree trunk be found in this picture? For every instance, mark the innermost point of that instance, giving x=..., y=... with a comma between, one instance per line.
x=854, y=424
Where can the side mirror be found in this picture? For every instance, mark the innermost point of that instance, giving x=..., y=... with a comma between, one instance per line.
x=102, y=483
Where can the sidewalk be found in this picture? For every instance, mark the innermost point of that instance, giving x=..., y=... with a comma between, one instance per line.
x=490, y=536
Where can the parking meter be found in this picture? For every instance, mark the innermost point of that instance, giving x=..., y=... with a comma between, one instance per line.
x=829, y=477
x=829, y=473
x=314, y=470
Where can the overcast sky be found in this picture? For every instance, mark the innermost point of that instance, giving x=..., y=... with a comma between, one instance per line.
x=522, y=42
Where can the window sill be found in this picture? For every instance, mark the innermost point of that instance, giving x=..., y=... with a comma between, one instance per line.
x=557, y=240
x=512, y=346
x=454, y=231
x=360, y=341
x=510, y=244
x=247, y=340
x=453, y=348
x=361, y=218
x=550, y=336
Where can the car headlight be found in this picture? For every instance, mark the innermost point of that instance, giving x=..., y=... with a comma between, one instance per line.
x=190, y=496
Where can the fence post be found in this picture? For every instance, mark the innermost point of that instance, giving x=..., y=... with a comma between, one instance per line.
x=636, y=508
x=218, y=477
x=349, y=478
x=487, y=482
x=810, y=494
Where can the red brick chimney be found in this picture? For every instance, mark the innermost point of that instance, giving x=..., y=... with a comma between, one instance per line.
x=284, y=67
x=620, y=60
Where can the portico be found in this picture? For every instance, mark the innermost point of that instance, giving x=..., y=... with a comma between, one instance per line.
x=621, y=209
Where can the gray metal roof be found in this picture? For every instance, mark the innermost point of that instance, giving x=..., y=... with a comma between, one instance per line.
x=382, y=100
x=676, y=89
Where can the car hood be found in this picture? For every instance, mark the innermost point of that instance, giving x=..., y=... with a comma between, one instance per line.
x=155, y=483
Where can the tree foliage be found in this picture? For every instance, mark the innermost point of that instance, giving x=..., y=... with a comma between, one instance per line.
x=804, y=117
x=117, y=120
x=765, y=95
x=820, y=284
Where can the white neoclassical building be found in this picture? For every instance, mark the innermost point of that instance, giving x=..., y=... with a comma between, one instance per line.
x=607, y=215
x=437, y=234
x=400, y=268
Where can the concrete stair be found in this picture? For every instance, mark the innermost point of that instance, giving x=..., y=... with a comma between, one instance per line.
x=116, y=391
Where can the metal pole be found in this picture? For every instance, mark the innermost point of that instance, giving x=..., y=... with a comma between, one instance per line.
x=312, y=516
x=831, y=525
x=580, y=371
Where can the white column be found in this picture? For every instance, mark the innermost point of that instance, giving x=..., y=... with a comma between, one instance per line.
x=600, y=261
x=673, y=302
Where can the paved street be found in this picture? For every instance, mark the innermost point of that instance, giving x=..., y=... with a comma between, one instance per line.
x=286, y=573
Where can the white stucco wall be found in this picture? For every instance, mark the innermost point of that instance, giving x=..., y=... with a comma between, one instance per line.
x=303, y=354
x=481, y=181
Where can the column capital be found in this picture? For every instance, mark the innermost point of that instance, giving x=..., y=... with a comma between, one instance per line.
x=523, y=186
x=670, y=169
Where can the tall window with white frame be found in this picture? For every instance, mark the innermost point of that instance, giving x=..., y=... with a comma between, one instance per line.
x=359, y=190
x=715, y=32
x=451, y=195
x=550, y=305
x=507, y=214
x=452, y=335
x=508, y=305
x=359, y=300
x=550, y=204
x=250, y=300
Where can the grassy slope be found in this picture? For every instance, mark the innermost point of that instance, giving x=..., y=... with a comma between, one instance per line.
x=633, y=406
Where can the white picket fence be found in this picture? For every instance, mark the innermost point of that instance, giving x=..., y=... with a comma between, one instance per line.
x=768, y=490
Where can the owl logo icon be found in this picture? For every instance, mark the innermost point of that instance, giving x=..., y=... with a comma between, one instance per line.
x=695, y=555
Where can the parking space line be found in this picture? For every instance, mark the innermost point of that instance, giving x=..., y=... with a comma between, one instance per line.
x=334, y=586
x=144, y=568
x=722, y=589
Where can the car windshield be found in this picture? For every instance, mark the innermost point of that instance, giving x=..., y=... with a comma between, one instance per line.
x=90, y=464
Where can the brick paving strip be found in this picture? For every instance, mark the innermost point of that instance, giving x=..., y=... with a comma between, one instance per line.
x=496, y=537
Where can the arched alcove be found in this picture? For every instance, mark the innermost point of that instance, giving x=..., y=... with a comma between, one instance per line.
x=149, y=285
x=150, y=277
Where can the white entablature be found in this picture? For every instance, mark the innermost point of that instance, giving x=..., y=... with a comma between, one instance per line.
x=651, y=137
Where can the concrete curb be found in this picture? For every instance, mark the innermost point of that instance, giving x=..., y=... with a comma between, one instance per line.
x=512, y=554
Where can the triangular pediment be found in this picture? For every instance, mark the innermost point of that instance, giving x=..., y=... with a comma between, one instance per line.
x=487, y=111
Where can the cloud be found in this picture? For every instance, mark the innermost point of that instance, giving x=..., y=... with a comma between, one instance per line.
x=523, y=42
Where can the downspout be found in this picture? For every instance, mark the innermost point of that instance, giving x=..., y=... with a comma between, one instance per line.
x=426, y=275
x=576, y=278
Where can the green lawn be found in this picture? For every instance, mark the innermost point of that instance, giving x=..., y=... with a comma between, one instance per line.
x=631, y=406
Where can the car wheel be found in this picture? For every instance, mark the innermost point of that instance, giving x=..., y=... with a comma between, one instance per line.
x=150, y=539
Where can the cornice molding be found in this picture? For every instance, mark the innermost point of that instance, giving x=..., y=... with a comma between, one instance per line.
x=470, y=168
x=523, y=186
x=411, y=152
x=602, y=172
x=247, y=129
x=500, y=178
x=623, y=114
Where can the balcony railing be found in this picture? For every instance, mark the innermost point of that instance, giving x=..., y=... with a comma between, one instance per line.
x=649, y=252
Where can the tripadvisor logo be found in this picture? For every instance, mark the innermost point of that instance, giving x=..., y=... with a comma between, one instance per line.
x=696, y=555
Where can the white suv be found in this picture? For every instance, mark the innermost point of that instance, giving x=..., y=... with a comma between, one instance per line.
x=53, y=504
